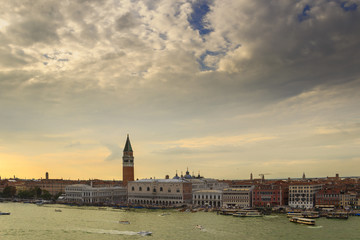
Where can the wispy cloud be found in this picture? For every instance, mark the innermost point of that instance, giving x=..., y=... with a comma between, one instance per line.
x=115, y=152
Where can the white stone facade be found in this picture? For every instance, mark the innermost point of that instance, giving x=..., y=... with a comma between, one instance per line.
x=207, y=198
x=303, y=195
x=85, y=194
x=207, y=184
x=162, y=192
x=237, y=197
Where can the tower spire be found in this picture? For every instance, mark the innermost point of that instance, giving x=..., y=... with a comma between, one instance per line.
x=128, y=147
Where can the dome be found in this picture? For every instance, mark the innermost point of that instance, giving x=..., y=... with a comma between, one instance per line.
x=187, y=175
x=176, y=176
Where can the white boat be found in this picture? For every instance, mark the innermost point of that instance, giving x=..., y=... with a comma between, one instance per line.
x=199, y=227
x=248, y=213
x=144, y=233
x=301, y=220
x=58, y=210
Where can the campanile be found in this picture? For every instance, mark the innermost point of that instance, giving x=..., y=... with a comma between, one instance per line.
x=128, y=162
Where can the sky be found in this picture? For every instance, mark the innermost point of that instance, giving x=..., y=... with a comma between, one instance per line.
x=221, y=87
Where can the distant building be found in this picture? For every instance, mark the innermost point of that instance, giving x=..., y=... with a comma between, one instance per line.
x=237, y=197
x=350, y=200
x=128, y=162
x=269, y=195
x=302, y=195
x=328, y=198
x=85, y=194
x=207, y=198
x=165, y=192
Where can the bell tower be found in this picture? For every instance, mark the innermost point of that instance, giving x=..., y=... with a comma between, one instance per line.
x=128, y=162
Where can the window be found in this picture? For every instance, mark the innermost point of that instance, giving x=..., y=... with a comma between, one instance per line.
x=177, y=190
x=140, y=188
x=161, y=189
x=148, y=189
x=132, y=188
x=169, y=190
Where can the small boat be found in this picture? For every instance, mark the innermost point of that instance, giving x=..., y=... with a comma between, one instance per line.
x=124, y=222
x=58, y=210
x=164, y=214
x=4, y=213
x=145, y=233
x=199, y=227
x=306, y=221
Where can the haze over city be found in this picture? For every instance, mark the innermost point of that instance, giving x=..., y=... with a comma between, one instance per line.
x=227, y=88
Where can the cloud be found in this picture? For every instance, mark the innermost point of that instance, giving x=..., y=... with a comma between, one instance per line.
x=178, y=72
x=116, y=152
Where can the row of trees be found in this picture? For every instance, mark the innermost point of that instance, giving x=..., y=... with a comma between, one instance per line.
x=32, y=193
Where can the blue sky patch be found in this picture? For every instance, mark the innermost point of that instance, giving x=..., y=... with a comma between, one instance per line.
x=196, y=19
x=201, y=60
x=304, y=15
x=348, y=7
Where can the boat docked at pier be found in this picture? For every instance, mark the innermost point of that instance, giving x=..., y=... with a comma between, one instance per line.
x=311, y=214
x=301, y=220
x=338, y=215
x=227, y=211
x=247, y=213
x=294, y=214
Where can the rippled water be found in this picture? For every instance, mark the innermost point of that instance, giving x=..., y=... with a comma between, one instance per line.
x=28, y=221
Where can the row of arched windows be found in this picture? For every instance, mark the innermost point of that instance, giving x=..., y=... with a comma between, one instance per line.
x=161, y=189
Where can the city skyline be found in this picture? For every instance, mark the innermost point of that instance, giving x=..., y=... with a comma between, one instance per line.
x=221, y=87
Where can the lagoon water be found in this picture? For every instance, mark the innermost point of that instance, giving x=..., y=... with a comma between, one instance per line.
x=29, y=221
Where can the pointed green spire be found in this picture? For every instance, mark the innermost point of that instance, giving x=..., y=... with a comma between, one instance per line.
x=128, y=147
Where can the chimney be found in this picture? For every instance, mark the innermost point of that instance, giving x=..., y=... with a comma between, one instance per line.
x=47, y=176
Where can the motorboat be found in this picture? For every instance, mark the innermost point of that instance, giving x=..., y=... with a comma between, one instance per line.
x=145, y=233
x=124, y=222
x=164, y=214
x=4, y=213
x=58, y=210
x=199, y=227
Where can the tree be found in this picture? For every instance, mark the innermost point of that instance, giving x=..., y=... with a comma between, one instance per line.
x=46, y=195
x=38, y=192
x=9, y=191
x=26, y=194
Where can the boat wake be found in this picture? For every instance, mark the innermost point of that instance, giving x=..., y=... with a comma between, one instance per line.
x=271, y=216
x=112, y=232
x=315, y=226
